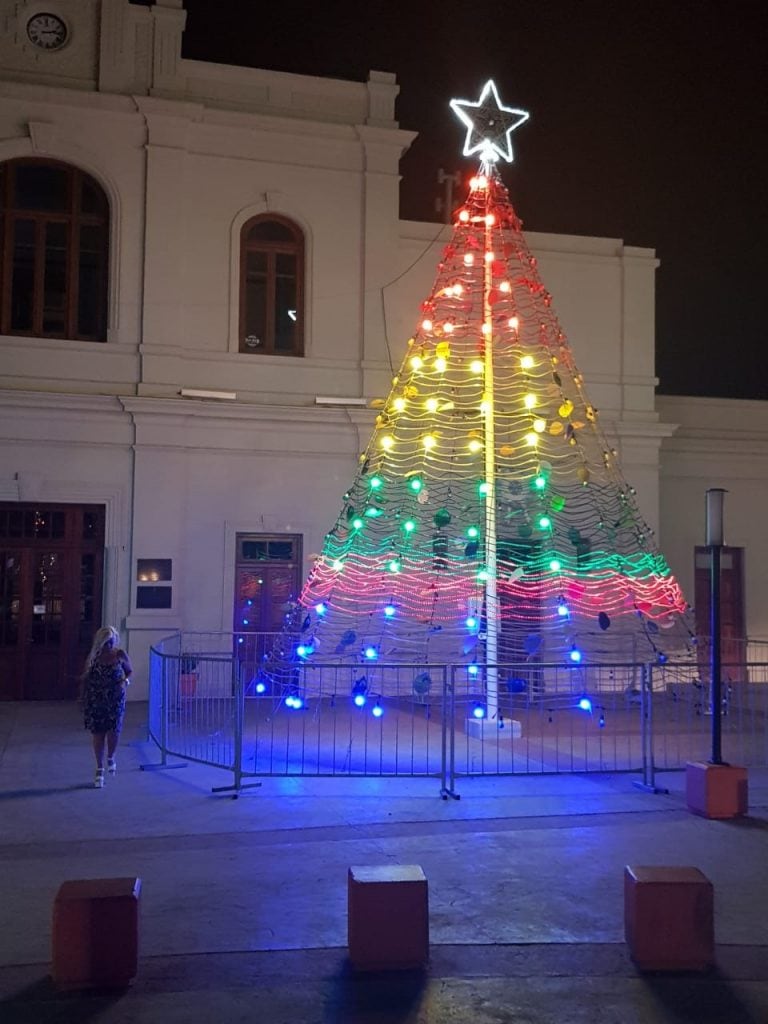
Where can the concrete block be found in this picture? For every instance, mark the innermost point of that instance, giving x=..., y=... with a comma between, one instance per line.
x=492, y=730
x=95, y=937
x=388, y=917
x=669, y=918
x=716, y=790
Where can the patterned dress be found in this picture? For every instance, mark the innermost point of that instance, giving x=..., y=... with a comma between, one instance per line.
x=104, y=697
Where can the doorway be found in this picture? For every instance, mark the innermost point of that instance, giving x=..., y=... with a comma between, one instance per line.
x=732, y=611
x=267, y=579
x=51, y=580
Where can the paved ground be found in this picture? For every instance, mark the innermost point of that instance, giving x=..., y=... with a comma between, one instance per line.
x=244, y=901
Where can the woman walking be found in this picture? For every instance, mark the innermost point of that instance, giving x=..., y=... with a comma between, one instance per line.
x=107, y=673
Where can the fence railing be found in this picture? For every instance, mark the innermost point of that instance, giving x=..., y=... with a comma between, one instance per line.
x=210, y=702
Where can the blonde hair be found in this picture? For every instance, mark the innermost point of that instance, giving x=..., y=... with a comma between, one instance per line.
x=99, y=640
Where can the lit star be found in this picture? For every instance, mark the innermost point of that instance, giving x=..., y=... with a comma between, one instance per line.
x=489, y=124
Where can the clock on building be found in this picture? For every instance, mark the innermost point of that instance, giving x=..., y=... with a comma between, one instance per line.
x=48, y=31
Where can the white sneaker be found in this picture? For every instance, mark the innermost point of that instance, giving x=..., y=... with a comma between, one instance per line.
x=111, y=765
x=98, y=781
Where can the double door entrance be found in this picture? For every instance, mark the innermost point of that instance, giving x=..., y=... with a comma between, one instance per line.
x=51, y=578
x=267, y=580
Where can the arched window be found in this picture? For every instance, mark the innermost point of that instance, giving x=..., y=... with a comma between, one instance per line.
x=272, y=287
x=53, y=269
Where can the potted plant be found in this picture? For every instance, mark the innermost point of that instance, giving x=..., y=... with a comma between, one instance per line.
x=188, y=678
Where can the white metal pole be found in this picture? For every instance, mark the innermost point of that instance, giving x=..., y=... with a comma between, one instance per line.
x=491, y=594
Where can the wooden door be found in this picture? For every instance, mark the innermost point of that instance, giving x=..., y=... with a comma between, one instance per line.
x=732, y=611
x=267, y=579
x=51, y=564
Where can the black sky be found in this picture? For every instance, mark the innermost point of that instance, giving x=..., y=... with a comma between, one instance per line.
x=648, y=123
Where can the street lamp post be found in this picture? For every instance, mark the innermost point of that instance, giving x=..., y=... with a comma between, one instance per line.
x=714, y=541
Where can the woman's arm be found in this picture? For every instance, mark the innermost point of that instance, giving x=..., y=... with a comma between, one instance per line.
x=126, y=663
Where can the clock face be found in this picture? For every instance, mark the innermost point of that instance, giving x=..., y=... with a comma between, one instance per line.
x=47, y=31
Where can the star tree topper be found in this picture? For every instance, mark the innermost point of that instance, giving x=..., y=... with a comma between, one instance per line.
x=489, y=124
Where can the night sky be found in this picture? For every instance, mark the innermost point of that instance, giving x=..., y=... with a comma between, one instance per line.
x=648, y=123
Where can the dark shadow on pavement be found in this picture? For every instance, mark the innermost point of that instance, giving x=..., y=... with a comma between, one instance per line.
x=700, y=999
x=386, y=997
x=17, y=794
x=748, y=822
x=42, y=1003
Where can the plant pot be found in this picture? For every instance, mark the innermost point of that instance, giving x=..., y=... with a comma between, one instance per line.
x=188, y=684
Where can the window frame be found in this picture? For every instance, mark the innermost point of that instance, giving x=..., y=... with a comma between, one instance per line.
x=272, y=249
x=74, y=219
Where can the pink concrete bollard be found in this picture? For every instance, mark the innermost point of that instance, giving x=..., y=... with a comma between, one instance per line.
x=388, y=917
x=669, y=918
x=716, y=790
x=95, y=936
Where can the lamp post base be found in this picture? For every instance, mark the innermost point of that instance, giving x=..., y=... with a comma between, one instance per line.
x=493, y=728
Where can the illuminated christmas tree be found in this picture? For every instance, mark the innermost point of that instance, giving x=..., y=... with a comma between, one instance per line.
x=489, y=522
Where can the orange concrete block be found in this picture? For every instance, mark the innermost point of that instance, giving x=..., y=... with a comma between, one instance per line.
x=669, y=918
x=388, y=917
x=95, y=934
x=716, y=790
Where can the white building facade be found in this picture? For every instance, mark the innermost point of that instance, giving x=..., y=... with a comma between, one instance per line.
x=226, y=249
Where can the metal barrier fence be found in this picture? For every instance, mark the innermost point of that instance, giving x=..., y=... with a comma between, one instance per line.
x=209, y=703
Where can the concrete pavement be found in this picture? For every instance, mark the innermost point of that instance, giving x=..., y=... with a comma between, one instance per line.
x=244, y=901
